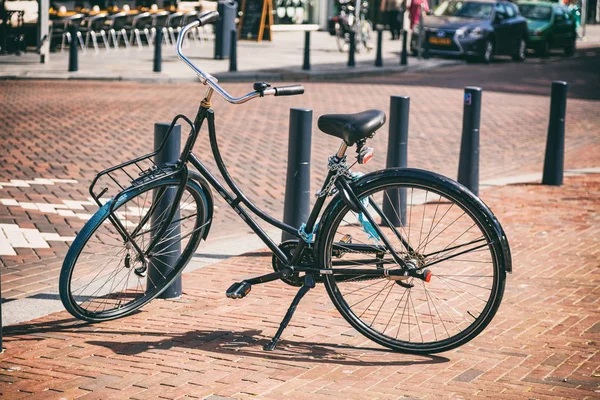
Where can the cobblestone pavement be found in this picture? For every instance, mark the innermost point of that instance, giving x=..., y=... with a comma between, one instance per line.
x=56, y=136
x=542, y=344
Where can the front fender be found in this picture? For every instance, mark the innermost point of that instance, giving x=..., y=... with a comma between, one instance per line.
x=207, y=192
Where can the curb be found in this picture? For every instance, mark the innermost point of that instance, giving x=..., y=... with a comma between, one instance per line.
x=283, y=75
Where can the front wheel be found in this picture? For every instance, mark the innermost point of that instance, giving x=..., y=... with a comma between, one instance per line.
x=488, y=52
x=434, y=224
x=105, y=277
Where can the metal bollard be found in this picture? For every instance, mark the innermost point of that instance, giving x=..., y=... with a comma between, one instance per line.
x=468, y=166
x=306, y=64
x=394, y=204
x=404, y=54
x=158, y=50
x=297, y=186
x=378, y=58
x=351, y=50
x=73, y=53
x=555, y=144
x=160, y=264
x=233, y=52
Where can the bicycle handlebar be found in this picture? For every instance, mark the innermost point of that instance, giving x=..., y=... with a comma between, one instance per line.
x=208, y=79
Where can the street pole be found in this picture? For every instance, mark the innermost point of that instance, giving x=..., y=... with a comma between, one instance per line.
x=378, y=58
x=394, y=202
x=555, y=144
x=296, y=205
x=160, y=264
x=233, y=52
x=158, y=50
x=306, y=64
x=468, y=165
x=73, y=62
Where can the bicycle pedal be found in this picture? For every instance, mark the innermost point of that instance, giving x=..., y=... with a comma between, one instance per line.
x=238, y=290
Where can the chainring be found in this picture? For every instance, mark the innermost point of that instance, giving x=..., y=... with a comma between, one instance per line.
x=307, y=258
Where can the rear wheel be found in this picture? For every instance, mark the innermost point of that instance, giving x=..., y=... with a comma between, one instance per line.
x=103, y=276
x=447, y=231
x=521, y=51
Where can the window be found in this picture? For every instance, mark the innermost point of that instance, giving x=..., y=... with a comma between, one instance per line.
x=500, y=11
x=509, y=11
x=536, y=12
x=464, y=9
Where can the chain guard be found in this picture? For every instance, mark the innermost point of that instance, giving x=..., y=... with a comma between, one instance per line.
x=296, y=280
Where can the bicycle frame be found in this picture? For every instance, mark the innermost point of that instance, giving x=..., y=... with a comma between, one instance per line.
x=238, y=198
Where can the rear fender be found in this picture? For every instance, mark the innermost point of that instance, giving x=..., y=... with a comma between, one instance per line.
x=413, y=175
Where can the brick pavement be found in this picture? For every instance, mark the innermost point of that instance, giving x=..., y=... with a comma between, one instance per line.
x=543, y=343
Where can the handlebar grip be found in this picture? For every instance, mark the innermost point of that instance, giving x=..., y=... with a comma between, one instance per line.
x=289, y=90
x=208, y=17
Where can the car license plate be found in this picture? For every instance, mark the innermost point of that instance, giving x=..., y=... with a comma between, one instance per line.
x=440, y=41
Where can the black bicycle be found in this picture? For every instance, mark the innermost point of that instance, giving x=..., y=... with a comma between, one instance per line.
x=411, y=259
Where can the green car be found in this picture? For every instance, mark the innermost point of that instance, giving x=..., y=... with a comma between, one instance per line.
x=550, y=25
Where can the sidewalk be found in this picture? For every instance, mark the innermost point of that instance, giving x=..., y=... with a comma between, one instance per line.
x=278, y=60
x=542, y=344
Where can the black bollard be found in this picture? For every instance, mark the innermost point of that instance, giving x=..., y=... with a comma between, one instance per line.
x=297, y=186
x=306, y=64
x=160, y=265
x=555, y=145
x=158, y=50
x=404, y=55
x=351, y=50
x=233, y=52
x=378, y=58
x=73, y=63
x=394, y=203
x=468, y=166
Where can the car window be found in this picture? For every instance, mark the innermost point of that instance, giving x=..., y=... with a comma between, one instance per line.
x=465, y=9
x=536, y=12
x=500, y=11
x=510, y=12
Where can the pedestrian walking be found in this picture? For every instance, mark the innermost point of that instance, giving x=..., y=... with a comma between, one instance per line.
x=414, y=12
x=393, y=11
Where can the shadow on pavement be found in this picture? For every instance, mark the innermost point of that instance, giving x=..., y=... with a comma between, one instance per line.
x=248, y=343
x=533, y=76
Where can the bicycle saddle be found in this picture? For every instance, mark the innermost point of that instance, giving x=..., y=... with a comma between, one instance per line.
x=352, y=127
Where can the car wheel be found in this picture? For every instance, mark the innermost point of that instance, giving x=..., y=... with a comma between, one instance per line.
x=488, y=52
x=521, y=51
x=570, y=48
x=544, y=49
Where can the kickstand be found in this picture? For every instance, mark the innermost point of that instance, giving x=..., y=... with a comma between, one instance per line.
x=309, y=283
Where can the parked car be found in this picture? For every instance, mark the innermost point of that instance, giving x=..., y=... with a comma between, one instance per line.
x=475, y=29
x=551, y=26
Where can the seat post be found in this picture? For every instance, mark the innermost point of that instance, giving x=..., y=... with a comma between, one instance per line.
x=342, y=150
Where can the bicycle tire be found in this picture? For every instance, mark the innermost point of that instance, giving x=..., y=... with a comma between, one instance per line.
x=488, y=267
x=84, y=256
